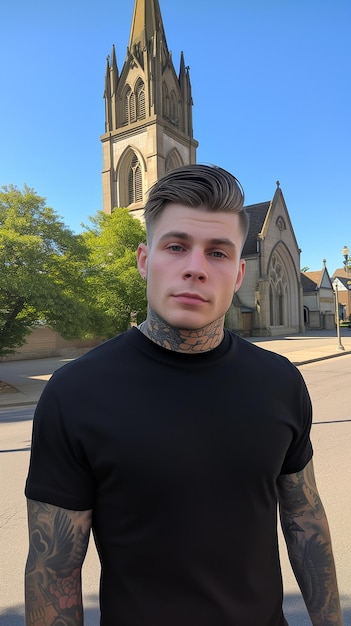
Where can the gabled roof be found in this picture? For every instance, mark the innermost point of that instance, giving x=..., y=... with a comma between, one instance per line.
x=342, y=279
x=310, y=281
x=340, y=273
x=257, y=214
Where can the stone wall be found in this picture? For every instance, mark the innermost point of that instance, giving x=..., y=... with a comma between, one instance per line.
x=44, y=342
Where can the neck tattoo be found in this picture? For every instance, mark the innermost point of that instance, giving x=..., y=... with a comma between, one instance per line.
x=182, y=340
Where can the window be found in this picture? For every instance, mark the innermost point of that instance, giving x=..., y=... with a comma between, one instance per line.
x=126, y=105
x=129, y=106
x=132, y=110
x=135, y=187
x=140, y=97
x=277, y=292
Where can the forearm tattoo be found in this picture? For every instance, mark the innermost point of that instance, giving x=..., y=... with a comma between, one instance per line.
x=306, y=531
x=182, y=340
x=58, y=541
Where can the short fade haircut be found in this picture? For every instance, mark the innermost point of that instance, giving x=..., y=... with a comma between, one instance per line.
x=198, y=186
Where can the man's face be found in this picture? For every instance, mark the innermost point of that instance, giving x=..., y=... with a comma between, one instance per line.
x=192, y=265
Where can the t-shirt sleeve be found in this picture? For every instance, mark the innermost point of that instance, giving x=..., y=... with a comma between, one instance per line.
x=300, y=450
x=59, y=472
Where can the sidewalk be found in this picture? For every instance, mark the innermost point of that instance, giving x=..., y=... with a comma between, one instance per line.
x=27, y=378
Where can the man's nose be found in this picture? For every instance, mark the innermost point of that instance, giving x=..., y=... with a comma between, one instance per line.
x=196, y=266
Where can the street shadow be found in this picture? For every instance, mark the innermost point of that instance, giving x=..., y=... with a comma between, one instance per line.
x=26, y=449
x=17, y=414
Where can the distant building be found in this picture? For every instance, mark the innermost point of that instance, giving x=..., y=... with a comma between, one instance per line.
x=318, y=299
x=269, y=302
x=343, y=280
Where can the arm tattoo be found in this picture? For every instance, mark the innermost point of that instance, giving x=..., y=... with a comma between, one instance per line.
x=182, y=340
x=307, y=536
x=58, y=541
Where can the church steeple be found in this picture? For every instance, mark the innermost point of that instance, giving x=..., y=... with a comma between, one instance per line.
x=147, y=28
x=148, y=113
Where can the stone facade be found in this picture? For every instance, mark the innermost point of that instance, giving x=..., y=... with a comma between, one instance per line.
x=318, y=299
x=269, y=301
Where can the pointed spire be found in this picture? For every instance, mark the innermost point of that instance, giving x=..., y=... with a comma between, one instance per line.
x=146, y=22
x=113, y=71
x=114, y=59
x=107, y=90
x=107, y=96
x=182, y=64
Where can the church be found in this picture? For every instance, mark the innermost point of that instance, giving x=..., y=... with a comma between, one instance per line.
x=149, y=131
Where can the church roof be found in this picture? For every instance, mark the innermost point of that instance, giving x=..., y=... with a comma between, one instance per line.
x=310, y=281
x=257, y=214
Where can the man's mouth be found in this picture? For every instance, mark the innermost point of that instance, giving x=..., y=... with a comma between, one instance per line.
x=189, y=298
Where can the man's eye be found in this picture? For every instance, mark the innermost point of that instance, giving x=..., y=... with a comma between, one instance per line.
x=218, y=254
x=175, y=247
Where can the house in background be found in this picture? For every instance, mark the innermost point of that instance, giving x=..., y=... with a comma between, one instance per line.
x=269, y=302
x=318, y=299
x=342, y=279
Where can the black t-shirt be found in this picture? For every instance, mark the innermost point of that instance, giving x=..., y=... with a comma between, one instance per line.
x=178, y=456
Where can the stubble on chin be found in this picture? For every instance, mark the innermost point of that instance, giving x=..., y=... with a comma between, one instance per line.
x=191, y=341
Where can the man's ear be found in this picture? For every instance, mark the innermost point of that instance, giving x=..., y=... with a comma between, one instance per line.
x=142, y=254
x=241, y=274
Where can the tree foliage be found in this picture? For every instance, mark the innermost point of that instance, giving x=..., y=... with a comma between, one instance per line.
x=41, y=270
x=81, y=286
x=114, y=281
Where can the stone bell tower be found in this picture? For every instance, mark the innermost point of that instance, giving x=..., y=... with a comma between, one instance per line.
x=148, y=114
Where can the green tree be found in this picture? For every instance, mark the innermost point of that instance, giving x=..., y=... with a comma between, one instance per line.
x=114, y=281
x=42, y=266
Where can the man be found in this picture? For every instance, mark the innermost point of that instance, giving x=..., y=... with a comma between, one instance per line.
x=174, y=442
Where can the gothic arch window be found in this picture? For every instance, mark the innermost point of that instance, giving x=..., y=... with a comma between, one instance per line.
x=126, y=104
x=135, y=187
x=173, y=160
x=140, y=99
x=278, y=291
x=132, y=107
x=129, y=106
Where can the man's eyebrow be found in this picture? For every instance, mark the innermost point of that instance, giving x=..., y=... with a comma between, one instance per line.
x=222, y=241
x=175, y=234
x=215, y=241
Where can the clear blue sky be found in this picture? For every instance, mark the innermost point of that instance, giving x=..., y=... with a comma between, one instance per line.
x=279, y=72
